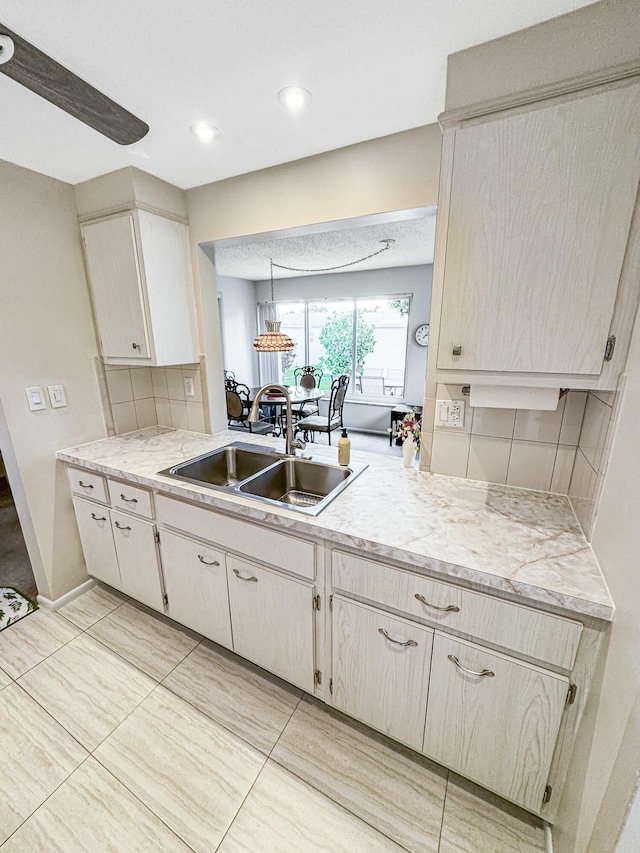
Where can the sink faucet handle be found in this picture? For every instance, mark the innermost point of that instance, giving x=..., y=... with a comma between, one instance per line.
x=298, y=444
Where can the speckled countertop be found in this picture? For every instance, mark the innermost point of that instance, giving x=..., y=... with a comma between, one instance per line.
x=515, y=541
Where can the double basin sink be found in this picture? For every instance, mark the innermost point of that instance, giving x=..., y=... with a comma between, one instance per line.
x=303, y=485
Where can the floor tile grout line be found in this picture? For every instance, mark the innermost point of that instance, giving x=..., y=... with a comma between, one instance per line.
x=244, y=800
x=444, y=808
x=46, y=657
x=95, y=622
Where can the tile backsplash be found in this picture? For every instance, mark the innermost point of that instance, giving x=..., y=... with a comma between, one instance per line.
x=517, y=447
x=138, y=397
x=592, y=456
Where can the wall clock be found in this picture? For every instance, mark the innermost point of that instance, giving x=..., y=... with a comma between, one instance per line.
x=421, y=335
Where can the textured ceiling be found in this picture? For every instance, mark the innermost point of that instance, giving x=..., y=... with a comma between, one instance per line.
x=374, y=68
x=414, y=244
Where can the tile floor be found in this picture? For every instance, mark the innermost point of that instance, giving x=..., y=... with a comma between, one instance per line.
x=121, y=731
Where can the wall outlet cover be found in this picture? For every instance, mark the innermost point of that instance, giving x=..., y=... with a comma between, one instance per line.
x=189, y=389
x=35, y=396
x=57, y=396
x=450, y=413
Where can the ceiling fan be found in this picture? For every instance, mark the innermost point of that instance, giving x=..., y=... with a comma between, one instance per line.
x=27, y=65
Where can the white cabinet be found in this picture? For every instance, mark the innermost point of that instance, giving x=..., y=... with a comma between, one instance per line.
x=273, y=621
x=195, y=577
x=493, y=719
x=94, y=526
x=381, y=670
x=140, y=275
x=137, y=551
x=535, y=210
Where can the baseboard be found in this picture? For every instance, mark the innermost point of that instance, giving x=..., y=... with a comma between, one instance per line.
x=48, y=604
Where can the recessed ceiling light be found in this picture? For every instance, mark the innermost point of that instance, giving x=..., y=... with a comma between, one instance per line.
x=294, y=97
x=205, y=132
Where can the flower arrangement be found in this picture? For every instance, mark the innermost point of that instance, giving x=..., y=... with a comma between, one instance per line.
x=409, y=427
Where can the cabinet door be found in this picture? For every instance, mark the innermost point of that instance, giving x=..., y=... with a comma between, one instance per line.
x=99, y=551
x=540, y=209
x=499, y=730
x=195, y=578
x=116, y=286
x=138, y=559
x=272, y=618
x=381, y=669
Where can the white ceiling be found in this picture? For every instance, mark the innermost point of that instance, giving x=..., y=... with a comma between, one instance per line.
x=374, y=67
x=413, y=236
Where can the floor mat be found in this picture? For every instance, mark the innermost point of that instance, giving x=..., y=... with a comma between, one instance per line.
x=13, y=606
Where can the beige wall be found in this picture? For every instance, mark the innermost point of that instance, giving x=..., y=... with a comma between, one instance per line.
x=392, y=173
x=46, y=337
x=597, y=36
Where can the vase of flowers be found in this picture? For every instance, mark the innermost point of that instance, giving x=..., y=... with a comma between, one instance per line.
x=408, y=431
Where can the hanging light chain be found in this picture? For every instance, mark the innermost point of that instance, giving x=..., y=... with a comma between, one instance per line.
x=388, y=245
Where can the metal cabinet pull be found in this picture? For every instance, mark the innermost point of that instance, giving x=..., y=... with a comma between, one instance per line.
x=238, y=575
x=450, y=609
x=98, y=518
x=207, y=563
x=397, y=642
x=129, y=500
x=136, y=346
x=121, y=527
x=481, y=674
x=456, y=351
x=85, y=485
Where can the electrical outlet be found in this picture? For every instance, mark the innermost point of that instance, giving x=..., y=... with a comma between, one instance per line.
x=189, y=388
x=450, y=413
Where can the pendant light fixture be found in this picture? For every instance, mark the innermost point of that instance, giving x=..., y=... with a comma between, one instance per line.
x=274, y=340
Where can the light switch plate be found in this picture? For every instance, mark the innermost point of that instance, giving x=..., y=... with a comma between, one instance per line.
x=35, y=396
x=450, y=413
x=57, y=396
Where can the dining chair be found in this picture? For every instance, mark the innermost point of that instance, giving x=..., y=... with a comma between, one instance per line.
x=237, y=396
x=333, y=419
x=307, y=377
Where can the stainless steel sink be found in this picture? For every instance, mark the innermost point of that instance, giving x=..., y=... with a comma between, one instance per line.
x=303, y=485
x=224, y=467
x=298, y=483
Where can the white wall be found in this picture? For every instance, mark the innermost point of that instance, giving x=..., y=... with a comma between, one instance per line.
x=46, y=337
x=239, y=327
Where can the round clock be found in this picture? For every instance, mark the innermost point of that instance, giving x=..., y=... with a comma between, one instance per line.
x=421, y=335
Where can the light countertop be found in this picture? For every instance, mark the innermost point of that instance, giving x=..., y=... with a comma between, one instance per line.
x=523, y=544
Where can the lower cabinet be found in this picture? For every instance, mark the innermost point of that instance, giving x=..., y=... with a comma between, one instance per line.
x=381, y=669
x=493, y=719
x=273, y=621
x=94, y=526
x=137, y=551
x=195, y=578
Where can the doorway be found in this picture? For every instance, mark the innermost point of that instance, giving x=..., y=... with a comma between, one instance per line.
x=15, y=565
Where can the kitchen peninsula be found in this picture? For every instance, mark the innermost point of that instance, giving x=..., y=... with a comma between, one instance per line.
x=411, y=600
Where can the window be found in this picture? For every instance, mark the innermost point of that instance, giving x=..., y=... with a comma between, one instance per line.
x=364, y=338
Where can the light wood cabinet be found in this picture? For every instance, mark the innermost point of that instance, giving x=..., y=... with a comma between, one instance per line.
x=273, y=621
x=141, y=283
x=535, y=211
x=195, y=577
x=137, y=551
x=94, y=526
x=493, y=719
x=381, y=670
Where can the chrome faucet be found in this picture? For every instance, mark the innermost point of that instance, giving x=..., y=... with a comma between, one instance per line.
x=291, y=443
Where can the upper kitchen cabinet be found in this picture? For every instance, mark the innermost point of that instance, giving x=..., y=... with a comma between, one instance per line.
x=140, y=275
x=537, y=257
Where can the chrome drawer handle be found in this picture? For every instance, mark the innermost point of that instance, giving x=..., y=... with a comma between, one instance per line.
x=85, y=485
x=397, y=642
x=121, y=527
x=482, y=674
x=450, y=609
x=239, y=576
x=97, y=518
x=207, y=563
x=129, y=500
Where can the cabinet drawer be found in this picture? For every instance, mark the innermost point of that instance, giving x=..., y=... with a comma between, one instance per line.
x=89, y=485
x=493, y=719
x=131, y=499
x=268, y=546
x=529, y=632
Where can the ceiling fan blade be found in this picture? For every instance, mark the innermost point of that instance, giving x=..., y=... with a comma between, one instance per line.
x=52, y=81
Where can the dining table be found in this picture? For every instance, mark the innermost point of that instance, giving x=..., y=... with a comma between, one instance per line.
x=298, y=394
